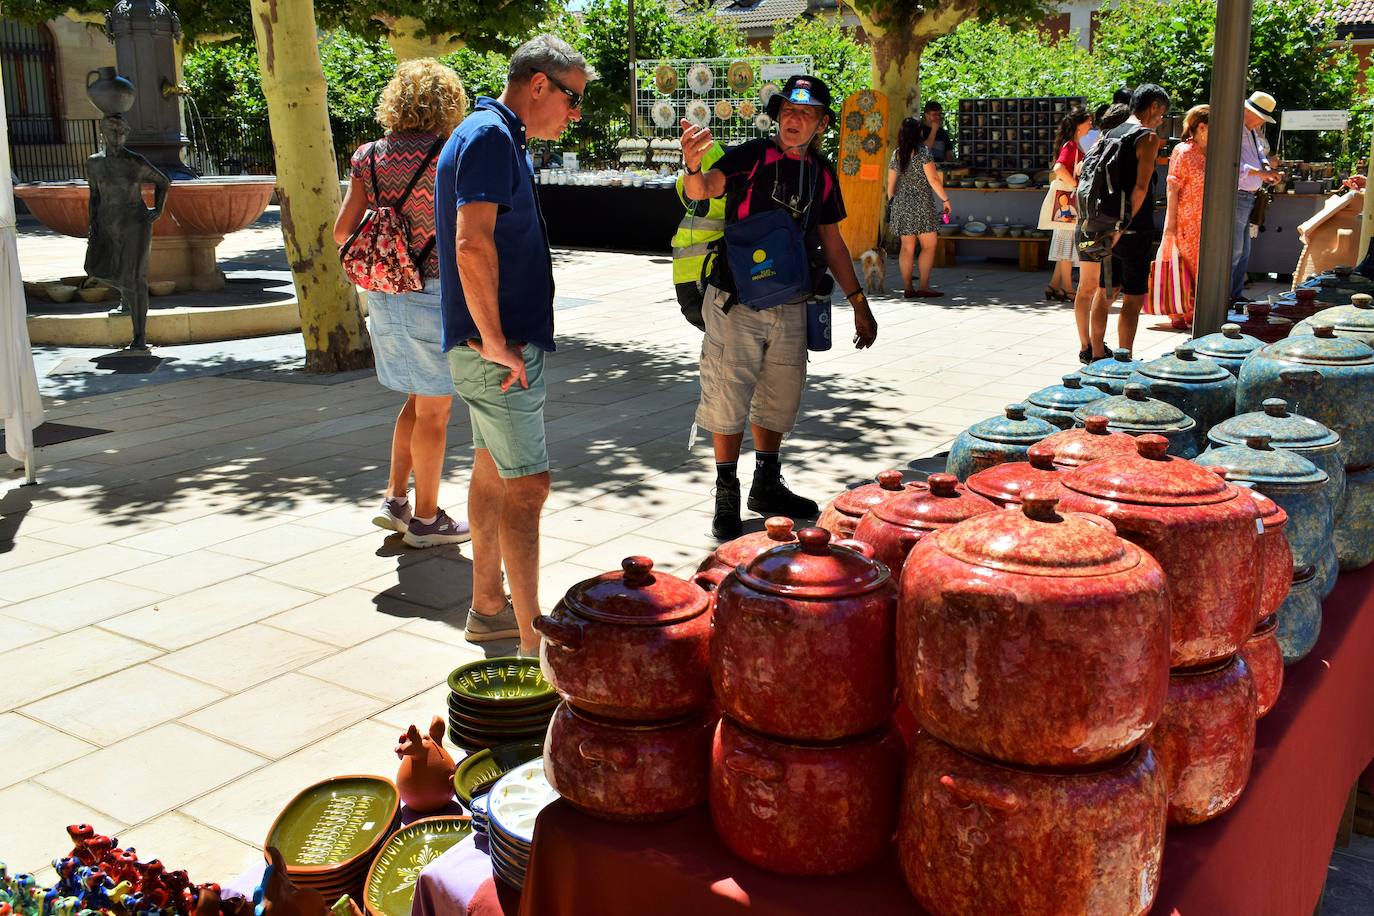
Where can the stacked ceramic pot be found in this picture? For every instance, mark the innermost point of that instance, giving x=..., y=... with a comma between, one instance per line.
x=1206, y=535
x=805, y=767
x=893, y=528
x=1135, y=413
x=629, y=652
x=1007, y=484
x=841, y=515
x=996, y=440
x=1058, y=402
x=1033, y=649
x=1110, y=373
x=1194, y=384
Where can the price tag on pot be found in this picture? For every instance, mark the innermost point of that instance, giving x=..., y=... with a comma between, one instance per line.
x=1259, y=525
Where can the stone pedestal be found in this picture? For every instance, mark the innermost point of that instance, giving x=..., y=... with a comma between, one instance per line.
x=189, y=260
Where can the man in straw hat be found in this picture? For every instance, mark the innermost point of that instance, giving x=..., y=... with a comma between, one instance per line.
x=1254, y=174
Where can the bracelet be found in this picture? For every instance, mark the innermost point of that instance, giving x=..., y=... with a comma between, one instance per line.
x=691, y=171
x=857, y=292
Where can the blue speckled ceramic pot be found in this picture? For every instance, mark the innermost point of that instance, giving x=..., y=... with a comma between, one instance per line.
x=1194, y=384
x=1290, y=432
x=1325, y=377
x=1227, y=348
x=1355, y=320
x=1296, y=484
x=1111, y=372
x=1355, y=523
x=1136, y=413
x=1328, y=570
x=996, y=440
x=1057, y=403
x=1300, y=619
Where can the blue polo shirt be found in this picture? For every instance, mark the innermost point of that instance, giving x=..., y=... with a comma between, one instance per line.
x=486, y=159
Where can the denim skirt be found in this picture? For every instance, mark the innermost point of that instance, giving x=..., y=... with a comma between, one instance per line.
x=408, y=341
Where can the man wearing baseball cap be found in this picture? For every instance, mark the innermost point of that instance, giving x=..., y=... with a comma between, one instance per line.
x=753, y=357
x=1254, y=174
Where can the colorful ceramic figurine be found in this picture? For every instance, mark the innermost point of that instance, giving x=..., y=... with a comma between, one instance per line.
x=277, y=896
x=425, y=778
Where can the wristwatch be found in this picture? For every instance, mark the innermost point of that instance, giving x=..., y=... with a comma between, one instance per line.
x=693, y=171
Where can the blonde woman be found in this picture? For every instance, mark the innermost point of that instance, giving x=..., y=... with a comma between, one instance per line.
x=418, y=109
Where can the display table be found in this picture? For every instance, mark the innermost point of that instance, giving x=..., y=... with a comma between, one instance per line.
x=1267, y=856
x=614, y=219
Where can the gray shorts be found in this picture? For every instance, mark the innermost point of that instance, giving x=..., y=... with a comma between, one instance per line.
x=753, y=366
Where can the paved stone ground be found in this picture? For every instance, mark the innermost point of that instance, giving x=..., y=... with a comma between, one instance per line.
x=197, y=618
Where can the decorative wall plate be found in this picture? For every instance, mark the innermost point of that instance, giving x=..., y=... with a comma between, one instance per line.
x=698, y=112
x=767, y=92
x=873, y=122
x=851, y=143
x=741, y=76
x=872, y=143
x=849, y=165
x=854, y=121
x=699, y=79
x=724, y=110
x=664, y=114
x=763, y=123
x=865, y=100
x=747, y=109
x=665, y=78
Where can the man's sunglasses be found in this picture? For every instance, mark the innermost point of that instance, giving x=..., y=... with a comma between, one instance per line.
x=574, y=98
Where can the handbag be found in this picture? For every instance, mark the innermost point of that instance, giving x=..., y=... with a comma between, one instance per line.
x=1171, y=285
x=1058, y=210
x=766, y=254
x=377, y=256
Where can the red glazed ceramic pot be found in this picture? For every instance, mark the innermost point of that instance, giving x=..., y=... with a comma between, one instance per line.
x=979, y=838
x=1264, y=657
x=1034, y=637
x=1075, y=447
x=1206, y=739
x=776, y=530
x=841, y=515
x=805, y=809
x=895, y=526
x=1200, y=528
x=1263, y=326
x=803, y=645
x=629, y=771
x=1004, y=484
x=630, y=645
x=1276, y=558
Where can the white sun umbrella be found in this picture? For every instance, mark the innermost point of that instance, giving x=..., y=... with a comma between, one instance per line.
x=20, y=405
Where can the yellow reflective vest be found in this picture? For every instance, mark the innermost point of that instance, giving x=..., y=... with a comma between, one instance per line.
x=695, y=233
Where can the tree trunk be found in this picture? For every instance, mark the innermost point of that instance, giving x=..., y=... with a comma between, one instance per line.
x=308, y=184
x=405, y=35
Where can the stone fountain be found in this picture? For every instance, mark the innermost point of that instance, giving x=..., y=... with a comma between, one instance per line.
x=200, y=212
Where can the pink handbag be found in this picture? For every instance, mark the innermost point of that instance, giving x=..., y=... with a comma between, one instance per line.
x=377, y=255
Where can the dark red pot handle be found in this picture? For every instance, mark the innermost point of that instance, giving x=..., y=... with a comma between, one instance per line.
x=600, y=750
x=995, y=798
x=560, y=633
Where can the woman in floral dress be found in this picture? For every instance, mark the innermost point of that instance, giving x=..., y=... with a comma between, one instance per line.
x=1172, y=291
x=913, y=184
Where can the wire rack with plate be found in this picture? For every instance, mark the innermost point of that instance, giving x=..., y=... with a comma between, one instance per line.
x=726, y=94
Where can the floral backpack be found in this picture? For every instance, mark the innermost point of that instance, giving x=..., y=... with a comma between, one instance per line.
x=377, y=255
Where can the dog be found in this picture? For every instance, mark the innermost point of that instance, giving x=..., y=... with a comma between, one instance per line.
x=874, y=264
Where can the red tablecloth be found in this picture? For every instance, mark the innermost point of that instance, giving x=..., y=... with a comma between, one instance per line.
x=1266, y=856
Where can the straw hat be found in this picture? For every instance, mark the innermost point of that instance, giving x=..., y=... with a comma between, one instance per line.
x=1263, y=105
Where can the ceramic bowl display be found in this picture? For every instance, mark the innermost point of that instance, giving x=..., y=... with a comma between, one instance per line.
x=1355, y=320
x=1111, y=372
x=1264, y=657
x=1078, y=446
x=974, y=227
x=1300, y=617
x=479, y=815
x=1194, y=384
x=977, y=838
x=842, y=514
x=1276, y=556
x=478, y=772
x=1201, y=529
x=1057, y=403
x=1293, y=433
x=60, y=293
x=630, y=771
x=1087, y=687
x=633, y=644
x=996, y=440
x=804, y=809
x=331, y=831
x=1007, y=484
x=798, y=611
x=513, y=806
x=1135, y=413
x=1290, y=480
x=391, y=881
x=162, y=287
x=1355, y=522
x=1000, y=230
x=895, y=526
x=1227, y=348
x=1328, y=378
x=1206, y=739
x=498, y=701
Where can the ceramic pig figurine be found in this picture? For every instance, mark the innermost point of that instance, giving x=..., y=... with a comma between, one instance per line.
x=425, y=778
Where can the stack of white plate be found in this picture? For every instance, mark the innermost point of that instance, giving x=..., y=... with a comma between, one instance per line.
x=478, y=807
x=513, y=805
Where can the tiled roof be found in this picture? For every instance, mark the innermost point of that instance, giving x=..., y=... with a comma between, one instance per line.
x=750, y=14
x=1361, y=12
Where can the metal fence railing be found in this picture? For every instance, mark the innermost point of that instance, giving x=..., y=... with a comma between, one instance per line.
x=51, y=149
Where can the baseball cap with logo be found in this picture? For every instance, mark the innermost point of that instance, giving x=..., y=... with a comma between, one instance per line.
x=802, y=90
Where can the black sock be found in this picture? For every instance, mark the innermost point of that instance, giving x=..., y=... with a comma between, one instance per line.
x=766, y=464
x=726, y=473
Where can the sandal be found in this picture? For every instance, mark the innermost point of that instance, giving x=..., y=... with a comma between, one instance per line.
x=909, y=293
x=928, y=294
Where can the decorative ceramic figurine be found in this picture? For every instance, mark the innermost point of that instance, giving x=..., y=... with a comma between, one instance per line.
x=278, y=896
x=425, y=778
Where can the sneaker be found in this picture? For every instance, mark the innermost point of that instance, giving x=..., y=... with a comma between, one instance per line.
x=394, y=515
x=770, y=496
x=489, y=627
x=443, y=530
x=725, y=524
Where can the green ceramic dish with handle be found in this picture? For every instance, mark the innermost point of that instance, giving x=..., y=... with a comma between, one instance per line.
x=392, y=879
x=332, y=825
x=497, y=681
x=478, y=772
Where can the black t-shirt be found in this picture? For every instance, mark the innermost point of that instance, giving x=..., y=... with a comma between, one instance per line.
x=759, y=177
x=1144, y=218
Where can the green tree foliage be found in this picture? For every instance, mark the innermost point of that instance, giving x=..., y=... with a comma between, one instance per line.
x=483, y=25
x=198, y=18
x=844, y=64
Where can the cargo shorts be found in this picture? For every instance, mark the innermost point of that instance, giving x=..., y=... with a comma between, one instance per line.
x=507, y=424
x=753, y=366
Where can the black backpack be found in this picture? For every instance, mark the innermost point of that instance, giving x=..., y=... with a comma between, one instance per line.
x=1103, y=193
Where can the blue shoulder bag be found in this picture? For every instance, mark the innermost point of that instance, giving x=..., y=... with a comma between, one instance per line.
x=766, y=254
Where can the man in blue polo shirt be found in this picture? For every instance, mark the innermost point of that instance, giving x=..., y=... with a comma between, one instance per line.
x=496, y=292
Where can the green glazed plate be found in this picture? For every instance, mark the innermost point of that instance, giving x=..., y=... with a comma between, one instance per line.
x=478, y=772
x=391, y=882
x=480, y=739
x=497, y=681
x=333, y=824
x=508, y=710
x=496, y=728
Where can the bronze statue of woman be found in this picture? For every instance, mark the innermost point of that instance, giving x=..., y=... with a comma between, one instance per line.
x=120, y=237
